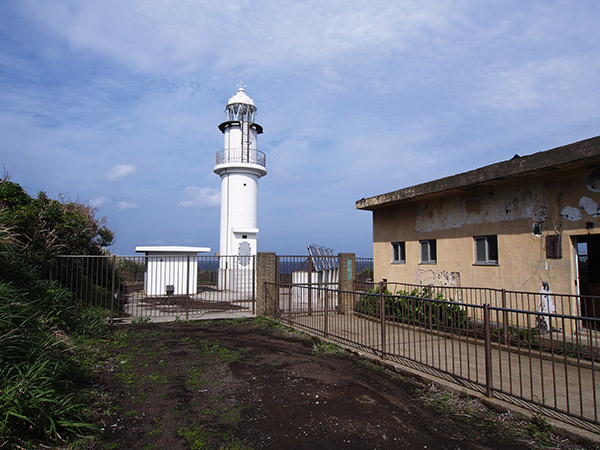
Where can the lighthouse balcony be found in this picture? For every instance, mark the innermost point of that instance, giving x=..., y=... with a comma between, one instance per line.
x=238, y=155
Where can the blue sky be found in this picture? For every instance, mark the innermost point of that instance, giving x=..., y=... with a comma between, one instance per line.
x=117, y=104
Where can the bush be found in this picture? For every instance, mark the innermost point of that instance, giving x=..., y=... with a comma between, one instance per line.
x=413, y=307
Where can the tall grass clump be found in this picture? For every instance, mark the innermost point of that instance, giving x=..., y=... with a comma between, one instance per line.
x=41, y=378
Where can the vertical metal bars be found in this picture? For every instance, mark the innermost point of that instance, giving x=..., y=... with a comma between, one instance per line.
x=164, y=287
x=547, y=360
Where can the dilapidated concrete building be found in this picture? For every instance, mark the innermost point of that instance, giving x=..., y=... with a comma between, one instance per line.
x=512, y=225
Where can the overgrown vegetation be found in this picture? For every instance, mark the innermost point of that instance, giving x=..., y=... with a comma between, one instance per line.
x=536, y=432
x=414, y=307
x=40, y=374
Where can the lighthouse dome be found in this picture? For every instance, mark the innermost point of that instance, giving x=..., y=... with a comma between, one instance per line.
x=240, y=97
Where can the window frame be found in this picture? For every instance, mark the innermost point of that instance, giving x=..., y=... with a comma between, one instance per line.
x=431, y=254
x=488, y=261
x=399, y=252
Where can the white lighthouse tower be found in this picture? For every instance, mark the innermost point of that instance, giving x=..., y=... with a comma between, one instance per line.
x=240, y=165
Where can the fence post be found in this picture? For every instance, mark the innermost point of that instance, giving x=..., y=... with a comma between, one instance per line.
x=309, y=285
x=382, y=319
x=346, y=277
x=187, y=289
x=488, y=349
x=505, y=317
x=112, y=293
x=253, y=285
x=266, y=265
x=326, y=316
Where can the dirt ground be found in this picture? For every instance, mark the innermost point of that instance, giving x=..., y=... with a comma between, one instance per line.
x=241, y=384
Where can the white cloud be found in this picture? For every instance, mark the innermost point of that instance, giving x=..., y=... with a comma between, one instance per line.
x=199, y=197
x=123, y=205
x=528, y=85
x=120, y=171
x=153, y=34
x=97, y=202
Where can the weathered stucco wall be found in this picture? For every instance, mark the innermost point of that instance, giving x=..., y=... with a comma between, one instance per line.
x=520, y=213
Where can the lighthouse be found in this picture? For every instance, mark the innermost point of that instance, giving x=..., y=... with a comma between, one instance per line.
x=240, y=165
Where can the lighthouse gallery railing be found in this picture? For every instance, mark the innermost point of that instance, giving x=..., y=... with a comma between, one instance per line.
x=237, y=155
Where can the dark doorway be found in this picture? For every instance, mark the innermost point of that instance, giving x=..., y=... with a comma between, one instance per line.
x=588, y=259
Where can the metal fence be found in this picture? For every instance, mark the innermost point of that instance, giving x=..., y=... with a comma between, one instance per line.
x=543, y=301
x=164, y=287
x=295, y=269
x=538, y=360
x=325, y=271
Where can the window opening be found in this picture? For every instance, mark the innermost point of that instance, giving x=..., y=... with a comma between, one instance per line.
x=428, y=252
x=486, y=249
x=399, y=249
x=553, y=246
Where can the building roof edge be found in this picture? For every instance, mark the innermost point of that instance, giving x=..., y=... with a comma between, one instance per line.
x=568, y=156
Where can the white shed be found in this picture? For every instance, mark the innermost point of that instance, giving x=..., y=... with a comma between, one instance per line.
x=168, y=268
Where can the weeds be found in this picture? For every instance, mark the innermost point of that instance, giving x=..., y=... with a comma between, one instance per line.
x=142, y=320
x=327, y=348
x=215, y=349
x=535, y=431
x=197, y=438
x=200, y=439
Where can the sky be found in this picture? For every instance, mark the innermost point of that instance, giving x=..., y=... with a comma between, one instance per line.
x=116, y=104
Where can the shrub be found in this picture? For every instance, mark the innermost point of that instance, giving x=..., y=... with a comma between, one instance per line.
x=413, y=307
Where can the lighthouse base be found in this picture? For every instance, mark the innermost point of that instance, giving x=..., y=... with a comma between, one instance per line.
x=237, y=276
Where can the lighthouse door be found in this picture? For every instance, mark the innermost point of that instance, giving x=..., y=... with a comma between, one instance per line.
x=244, y=253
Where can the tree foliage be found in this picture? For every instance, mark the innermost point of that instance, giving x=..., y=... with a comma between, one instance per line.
x=42, y=227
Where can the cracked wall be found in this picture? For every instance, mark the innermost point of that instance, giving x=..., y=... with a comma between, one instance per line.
x=521, y=213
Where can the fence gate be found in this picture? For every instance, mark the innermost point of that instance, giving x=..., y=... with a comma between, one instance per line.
x=162, y=288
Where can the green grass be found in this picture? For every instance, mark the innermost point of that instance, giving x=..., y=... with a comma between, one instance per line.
x=215, y=349
x=535, y=432
x=40, y=371
x=156, y=427
x=327, y=348
x=196, y=378
x=198, y=438
x=142, y=320
x=111, y=446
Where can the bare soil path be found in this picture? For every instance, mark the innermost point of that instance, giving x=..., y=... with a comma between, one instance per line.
x=247, y=384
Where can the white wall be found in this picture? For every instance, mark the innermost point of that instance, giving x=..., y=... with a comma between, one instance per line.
x=163, y=270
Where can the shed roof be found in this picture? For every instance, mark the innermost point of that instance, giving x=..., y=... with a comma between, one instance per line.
x=579, y=154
